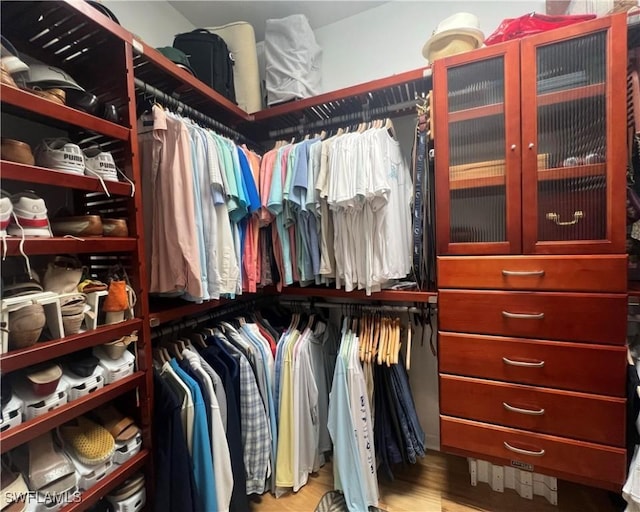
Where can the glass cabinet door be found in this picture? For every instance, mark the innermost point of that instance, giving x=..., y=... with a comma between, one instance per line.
x=477, y=152
x=573, y=129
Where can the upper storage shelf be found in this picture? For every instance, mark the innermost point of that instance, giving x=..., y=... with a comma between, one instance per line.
x=155, y=69
x=386, y=97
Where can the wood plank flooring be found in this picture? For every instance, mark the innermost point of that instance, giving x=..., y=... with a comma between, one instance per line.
x=441, y=484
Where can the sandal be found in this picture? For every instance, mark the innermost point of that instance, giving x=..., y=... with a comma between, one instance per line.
x=114, y=349
x=48, y=470
x=91, y=285
x=90, y=443
x=13, y=490
x=122, y=428
x=128, y=488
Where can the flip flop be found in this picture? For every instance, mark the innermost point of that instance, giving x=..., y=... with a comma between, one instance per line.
x=47, y=469
x=122, y=428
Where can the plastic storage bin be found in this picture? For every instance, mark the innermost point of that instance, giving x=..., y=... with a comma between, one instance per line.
x=115, y=369
x=126, y=450
x=131, y=504
x=82, y=386
x=34, y=405
x=88, y=476
x=11, y=413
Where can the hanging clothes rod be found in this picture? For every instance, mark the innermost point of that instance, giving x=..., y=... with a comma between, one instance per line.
x=183, y=108
x=364, y=115
x=368, y=308
x=222, y=311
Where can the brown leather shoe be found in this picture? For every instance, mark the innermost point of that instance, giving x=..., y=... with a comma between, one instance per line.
x=16, y=151
x=81, y=226
x=115, y=227
x=56, y=95
x=6, y=78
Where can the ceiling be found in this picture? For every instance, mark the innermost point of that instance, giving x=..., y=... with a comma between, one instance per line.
x=319, y=12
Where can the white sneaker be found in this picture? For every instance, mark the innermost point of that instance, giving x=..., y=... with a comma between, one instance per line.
x=6, y=209
x=30, y=216
x=61, y=155
x=100, y=163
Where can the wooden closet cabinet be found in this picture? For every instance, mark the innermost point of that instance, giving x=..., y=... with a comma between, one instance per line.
x=530, y=144
x=532, y=281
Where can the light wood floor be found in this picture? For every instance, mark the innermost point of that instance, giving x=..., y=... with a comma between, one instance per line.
x=441, y=484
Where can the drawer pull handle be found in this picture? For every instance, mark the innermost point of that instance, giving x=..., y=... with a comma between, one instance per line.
x=555, y=217
x=539, y=453
x=535, y=412
x=537, y=364
x=525, y=316
x=523, y=273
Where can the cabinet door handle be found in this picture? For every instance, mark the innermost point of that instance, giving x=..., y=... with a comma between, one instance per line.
x=524, y=316
x=534, y=412
x=555, y=217
x=526, y=364
x=522, y=273
x=538, y=453
x=513, y=147
x=531, y=145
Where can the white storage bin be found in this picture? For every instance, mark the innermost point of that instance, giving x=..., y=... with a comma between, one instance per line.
x=82, y=386
x=131, y=504
x=88, y=476
x=12, y=413
x=34, y=405
x=126, y=450
x=115, y=369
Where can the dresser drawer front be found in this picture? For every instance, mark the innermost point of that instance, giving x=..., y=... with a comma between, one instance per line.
x=599, y=369
x=562, y=413
x=594, y=318
x=574, y=460
x=544, y=273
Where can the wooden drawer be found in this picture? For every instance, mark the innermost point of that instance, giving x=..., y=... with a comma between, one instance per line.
x=543, y=273
x=563, y=413
x=594, y=464
x=597, y=369
x=595, y=318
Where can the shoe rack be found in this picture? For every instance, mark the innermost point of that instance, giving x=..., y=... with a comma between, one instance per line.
x=95, y=52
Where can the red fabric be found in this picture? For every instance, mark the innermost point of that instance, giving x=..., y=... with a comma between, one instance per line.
x=533, y=23
x=267, y=335
x=33, y=223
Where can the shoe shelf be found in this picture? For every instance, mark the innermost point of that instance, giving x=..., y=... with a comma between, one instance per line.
x=61, y=245
x=44, y=176
x=108, y=483
x=37, y=426
x=25, y=102
x=40, y=352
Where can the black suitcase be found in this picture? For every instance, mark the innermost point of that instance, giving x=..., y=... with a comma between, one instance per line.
x=210, y=59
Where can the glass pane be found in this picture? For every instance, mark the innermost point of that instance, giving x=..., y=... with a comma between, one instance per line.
x=477, y=152
x=572, y=139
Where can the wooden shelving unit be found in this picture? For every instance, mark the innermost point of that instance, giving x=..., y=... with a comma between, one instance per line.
x=576, y=93
x=96, y=52
x=17, y=359
x=31, y=429
x=53, y=112
x=476, y=112
x=58, y=245
x=42, y=175
x=383, y=296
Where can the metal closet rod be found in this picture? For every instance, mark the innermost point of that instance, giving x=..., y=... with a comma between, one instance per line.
x=189, y=111
x=190, y=323
x=364, y=115
x=369, y=308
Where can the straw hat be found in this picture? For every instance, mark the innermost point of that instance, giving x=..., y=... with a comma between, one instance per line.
x=455, y=34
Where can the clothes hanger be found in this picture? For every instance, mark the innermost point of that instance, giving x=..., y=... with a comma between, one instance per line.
x=390, y=128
